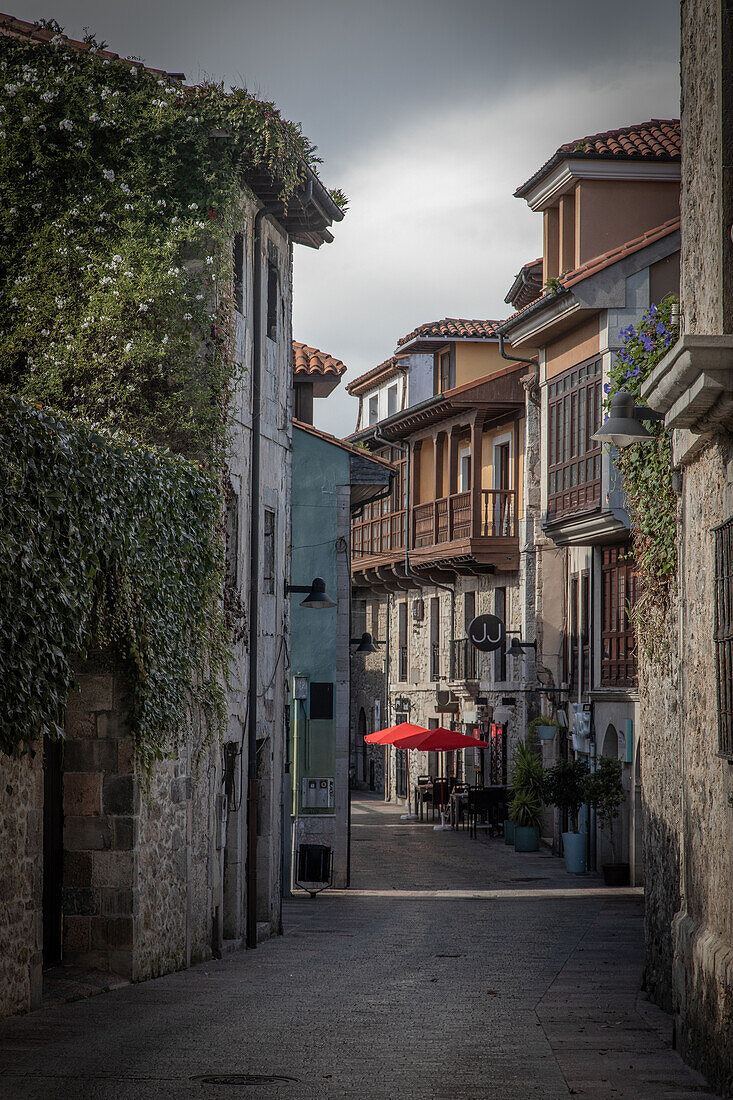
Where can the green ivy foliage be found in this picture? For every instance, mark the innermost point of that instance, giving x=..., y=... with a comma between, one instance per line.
x=646, y=469
x=120, y=193
x=102, y=538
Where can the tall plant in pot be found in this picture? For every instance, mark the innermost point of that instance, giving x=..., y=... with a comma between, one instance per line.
x=525, y=809
x=605, y=791
x=565, y=787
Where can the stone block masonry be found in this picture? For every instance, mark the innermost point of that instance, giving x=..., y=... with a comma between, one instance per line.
x=21, y=881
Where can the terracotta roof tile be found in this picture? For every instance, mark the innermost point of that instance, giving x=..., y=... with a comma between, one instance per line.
x=452, y=328
x=389, y=366
x=353, y=447
x=658, y=139
x=11, y=27
x=308, y=360
x=599, y=263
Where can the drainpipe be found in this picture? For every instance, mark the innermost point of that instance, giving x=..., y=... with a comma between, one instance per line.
x=254, y=594
x=407, y=450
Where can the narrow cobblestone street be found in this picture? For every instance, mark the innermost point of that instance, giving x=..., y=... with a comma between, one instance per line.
x=453, y=968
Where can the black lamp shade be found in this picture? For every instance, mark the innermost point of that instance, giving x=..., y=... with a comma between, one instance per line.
x=366, y=644
x=623, y=426
x=515, y=649
x=317, y=597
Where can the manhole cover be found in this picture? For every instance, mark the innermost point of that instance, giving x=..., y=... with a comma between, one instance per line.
x=243, y=1079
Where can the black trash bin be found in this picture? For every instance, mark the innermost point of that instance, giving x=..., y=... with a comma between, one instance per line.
x=315, y=865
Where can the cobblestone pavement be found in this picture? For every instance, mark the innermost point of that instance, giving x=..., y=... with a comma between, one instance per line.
x=454, y=969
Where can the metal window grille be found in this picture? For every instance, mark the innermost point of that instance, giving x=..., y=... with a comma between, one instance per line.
x=402, y=640
x=573, y=458
x=724, y=634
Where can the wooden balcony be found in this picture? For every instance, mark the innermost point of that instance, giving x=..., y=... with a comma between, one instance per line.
x=445, y=532
x=381, y=537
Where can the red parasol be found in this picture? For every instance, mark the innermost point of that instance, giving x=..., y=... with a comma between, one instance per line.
x=387, y=735
x=438, y=740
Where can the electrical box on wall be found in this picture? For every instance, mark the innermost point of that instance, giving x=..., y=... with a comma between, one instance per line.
x=300, y=687
x=317, y=793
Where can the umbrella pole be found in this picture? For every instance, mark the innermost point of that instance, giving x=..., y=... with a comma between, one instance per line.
x=409, y=816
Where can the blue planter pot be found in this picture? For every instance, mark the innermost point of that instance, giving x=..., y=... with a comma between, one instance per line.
x=508, y=832
x=526, y=838
x=576, y=851
x=545, y=733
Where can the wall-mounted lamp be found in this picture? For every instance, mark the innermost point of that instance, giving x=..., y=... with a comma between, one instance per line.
x=316, y=595
x=624, y=424
x=517, y=647
x=365, y=644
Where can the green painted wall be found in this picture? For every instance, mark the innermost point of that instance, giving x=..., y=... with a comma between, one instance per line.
x=318, y=469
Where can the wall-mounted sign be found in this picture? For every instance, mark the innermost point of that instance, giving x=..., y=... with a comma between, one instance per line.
x=486, y=633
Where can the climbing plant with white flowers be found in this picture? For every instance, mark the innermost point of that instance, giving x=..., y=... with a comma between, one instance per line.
x=118, y=202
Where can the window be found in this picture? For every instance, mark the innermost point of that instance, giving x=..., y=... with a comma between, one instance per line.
x=618, y=593
x=391, y=400
x=435, y=638
x=402, y=640
x=573, y=458
x=444, y=370
x=272, y=296
x=231, y=533
x=238, y=264
x=321, y=701
x=373, y=409
x=464, y=467
x=723, y=634
x=268, y=552
x=469, y=657
x=500, y=654
x=469, y=609
x=401, y=770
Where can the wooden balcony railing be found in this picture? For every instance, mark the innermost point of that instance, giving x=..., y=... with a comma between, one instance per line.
x=380, y=535
x=449, y=518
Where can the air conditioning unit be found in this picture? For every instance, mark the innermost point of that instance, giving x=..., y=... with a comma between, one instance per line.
x=446, y=702
x=418, y=610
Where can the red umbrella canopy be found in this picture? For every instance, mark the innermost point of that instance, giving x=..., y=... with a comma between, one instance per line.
x=387, y=736
x=439, y=740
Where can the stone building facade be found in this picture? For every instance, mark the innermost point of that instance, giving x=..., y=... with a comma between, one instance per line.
x=611, y=241
x=466, y=496
x=102, y=867
x=688, y=764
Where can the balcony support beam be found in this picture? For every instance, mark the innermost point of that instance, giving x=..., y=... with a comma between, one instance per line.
x=476, y=441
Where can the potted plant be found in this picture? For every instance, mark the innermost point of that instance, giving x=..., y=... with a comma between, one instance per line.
x=605, y=791
x=525, y=808
x=565, y=787
x=526, y=811
x=542, y=727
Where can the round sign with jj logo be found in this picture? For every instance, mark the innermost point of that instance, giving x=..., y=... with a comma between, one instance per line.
x=486, y=633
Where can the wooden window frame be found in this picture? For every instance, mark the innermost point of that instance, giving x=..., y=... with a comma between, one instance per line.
x=618, y=640
x=723, y=635
x=573, y=457
x=439, y=372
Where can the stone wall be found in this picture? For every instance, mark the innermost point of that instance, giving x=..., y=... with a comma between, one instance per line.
x=700, y=200
x=703, y=927
x=21, y=881
x=659, y=760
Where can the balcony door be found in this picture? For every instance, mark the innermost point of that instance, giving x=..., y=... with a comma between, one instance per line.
x=503, y=518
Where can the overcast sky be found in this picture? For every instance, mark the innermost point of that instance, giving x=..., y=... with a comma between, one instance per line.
x=428, y=115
